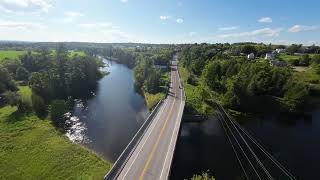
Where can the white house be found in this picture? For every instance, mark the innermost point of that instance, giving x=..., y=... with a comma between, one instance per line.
x=280, y=51
x=270, y=56
x=250, y=56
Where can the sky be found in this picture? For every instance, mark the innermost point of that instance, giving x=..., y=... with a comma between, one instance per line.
x=161, y=21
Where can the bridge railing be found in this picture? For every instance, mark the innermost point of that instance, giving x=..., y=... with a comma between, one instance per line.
x=126, y=154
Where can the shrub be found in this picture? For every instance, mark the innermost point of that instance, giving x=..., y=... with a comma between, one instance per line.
x=38, y=105
x=57, y=110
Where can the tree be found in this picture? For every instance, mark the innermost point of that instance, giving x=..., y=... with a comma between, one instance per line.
x=152, y=83
x=22, y=74
x=12, y=98
x=6, y=82
x=40, y=85
x=38, y=105
x=57, y=110
x=305, y=60
x=294, y=48
x=247, y=49
x=295, y=95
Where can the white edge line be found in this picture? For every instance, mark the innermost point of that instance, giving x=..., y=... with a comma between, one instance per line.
x=153, y=126
x=147, y=137
x=172, y=137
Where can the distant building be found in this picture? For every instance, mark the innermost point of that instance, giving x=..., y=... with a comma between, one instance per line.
x=161, y=67
x=280, y=51
x=278, y=63
x=270, y=56
x=250, y=56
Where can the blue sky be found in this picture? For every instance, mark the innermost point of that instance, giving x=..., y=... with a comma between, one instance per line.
x=162, y=21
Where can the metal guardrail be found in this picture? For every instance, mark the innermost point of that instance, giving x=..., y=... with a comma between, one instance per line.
x=126, y=154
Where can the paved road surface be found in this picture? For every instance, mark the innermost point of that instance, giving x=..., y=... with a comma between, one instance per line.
x=152, y=157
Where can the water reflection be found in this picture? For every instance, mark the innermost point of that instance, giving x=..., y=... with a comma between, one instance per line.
x=110, y=119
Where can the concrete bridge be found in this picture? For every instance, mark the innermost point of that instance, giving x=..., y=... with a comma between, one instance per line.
x=149, y=154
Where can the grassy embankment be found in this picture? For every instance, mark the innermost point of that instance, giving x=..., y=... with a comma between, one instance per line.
x=153, y=99
x=31, y=148
x=194, y=104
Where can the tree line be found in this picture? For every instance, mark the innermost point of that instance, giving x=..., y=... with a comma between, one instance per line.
x=55, y=79
x=240, y=84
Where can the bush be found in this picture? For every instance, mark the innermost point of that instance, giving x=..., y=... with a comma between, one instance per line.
x=38, y=105
x=57, y=110
x=22, y=74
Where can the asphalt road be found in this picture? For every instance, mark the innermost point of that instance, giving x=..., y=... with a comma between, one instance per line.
x=152, y=157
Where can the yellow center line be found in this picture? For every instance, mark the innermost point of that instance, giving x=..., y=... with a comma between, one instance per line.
x=157, y=142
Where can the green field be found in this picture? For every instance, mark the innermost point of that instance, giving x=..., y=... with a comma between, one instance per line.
x=31, y=148
x=288, y=58
x=10, y=54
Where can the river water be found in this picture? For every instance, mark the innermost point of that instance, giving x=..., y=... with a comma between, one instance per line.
x=107, y=122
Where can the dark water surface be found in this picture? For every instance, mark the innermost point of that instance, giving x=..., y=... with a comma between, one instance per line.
x=294, y=142
x=108, y=121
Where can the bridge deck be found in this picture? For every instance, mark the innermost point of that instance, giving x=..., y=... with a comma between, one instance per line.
x=152, y=157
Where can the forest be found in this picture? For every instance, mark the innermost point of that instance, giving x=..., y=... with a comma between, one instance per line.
x=55, y=78
x=224, y=74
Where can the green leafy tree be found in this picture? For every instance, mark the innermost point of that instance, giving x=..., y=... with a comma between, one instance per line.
x=38, y=105
x=57, y=110
x=22, y=74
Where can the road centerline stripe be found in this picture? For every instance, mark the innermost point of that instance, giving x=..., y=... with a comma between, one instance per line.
x=158, y=139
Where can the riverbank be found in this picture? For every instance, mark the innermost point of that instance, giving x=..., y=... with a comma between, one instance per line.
x=33, y=149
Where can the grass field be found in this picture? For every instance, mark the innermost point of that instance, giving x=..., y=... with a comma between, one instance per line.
x=288, y=58
x=10, y=54
x=31, y=148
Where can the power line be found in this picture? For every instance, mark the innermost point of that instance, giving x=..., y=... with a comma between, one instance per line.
x=250, y=149
x=237, y=126
x=277, y=163
x=254, y=169
x=234, y=150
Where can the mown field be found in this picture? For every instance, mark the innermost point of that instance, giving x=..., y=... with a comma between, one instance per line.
x=31, y=148
x=10, y=54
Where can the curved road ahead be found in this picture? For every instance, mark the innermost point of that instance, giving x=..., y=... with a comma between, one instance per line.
x=152, y=157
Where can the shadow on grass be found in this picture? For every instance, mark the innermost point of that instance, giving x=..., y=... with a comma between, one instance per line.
x=20, y=116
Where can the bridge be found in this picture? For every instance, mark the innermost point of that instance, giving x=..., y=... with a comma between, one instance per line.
x=149, y=154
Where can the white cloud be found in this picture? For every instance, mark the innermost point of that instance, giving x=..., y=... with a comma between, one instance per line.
x=163, y=18
x=14, y=25
x=124, y=1
x=265, y=20
x=191, y=34
x=229, y=28
x=25, y=6
x=71, y=16
x=299, y=28
x=259, y=32
x=180, y=20
x=99, y=25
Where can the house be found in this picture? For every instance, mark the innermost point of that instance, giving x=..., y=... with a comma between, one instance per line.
x=270, y=56
x=278, y=63
x=161, y=67
x=280, y=51
x=250, y=56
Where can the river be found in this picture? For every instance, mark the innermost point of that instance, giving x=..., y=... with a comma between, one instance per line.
x=107, y=122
